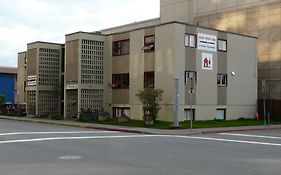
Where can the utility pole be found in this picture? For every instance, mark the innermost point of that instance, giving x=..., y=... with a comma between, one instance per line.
x=176, y=104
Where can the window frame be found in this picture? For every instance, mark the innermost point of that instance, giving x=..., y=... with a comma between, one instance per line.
x=187, y=78
x=149, y=44
x=122, y=111
x=121, y=81
x=224, y=114
x=145, y=84
x=221, y=50
x=119, y=48
x=220, y=80
x=195, y=40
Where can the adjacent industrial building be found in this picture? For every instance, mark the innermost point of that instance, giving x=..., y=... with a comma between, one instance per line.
x=8, y=84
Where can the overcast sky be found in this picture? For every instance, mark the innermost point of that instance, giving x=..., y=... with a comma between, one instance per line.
x=25, y=21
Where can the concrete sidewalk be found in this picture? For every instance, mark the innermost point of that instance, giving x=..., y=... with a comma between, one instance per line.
x=142, y=130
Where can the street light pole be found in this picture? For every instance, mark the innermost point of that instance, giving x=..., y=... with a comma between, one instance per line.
x=191, y=111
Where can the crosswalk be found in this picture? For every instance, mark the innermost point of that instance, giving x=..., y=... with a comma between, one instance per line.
x=241, y=138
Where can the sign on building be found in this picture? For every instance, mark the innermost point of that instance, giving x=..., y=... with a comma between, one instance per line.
x=31, y=80
x=207, y=61
x=207, y=42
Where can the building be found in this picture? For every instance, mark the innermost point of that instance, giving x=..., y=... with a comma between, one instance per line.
x=84, y=73
x=8, y=81
x=44, y=78
x=105, y=70
x=21, y=83
x=260, y=18
x=224, y=76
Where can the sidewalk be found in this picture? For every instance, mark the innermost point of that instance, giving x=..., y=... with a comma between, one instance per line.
x=142, y=130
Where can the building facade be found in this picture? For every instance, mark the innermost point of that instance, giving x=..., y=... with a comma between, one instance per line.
x=21, y=83
x=43, y=78
x=260, y=18
x=8, y=81
x=84, y=73
x=154, y=56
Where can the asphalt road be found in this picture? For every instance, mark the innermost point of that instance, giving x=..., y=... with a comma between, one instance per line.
x=39, y=149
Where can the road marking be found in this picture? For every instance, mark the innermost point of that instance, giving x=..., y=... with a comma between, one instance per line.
x=62, y=132
x=138, y=136
x=72, y=157
x=73, y=138
x=249, y=135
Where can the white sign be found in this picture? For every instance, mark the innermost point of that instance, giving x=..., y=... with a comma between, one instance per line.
x=71, y=86
x=207, y=42
x=207, y=61
x=31, y=77
x=31, y=83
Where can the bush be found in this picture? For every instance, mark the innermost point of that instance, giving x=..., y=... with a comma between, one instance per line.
x=2, y=102
x=55, y=117
x=150, y=98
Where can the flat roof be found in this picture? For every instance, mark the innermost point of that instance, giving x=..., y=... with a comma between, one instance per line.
x=92, y=33
x=8, y=70
x=43, y=42
x=187, y=24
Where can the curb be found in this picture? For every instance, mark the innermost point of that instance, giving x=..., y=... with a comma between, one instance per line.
x=240, y=130
x=77, y=125
x=125, y=130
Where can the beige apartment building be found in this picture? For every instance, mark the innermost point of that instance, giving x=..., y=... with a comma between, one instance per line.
x=105, y=70
x=43, y=78
x=225, y=86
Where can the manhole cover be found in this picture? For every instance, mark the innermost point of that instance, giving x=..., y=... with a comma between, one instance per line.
x=70, y=157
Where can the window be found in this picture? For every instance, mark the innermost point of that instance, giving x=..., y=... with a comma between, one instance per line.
x=222, y=80
x=222, y=45
x=149, y=43
x=118, y=111
x=149, y=80
x=221, y=114
x=190, y=75
x=120, y=81
x=190, y=40
x=121, y=47
x=189, y=114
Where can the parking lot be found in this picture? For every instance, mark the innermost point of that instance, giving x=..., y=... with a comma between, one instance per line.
x=30, y=148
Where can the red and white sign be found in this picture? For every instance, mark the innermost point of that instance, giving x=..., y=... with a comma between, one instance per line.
x=207, y=42
x=207, y=61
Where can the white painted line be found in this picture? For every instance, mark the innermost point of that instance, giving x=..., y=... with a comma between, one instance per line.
x=72, y=138
x=62, y=132
x=229, y=140
x=138, y=136
x=249, y=135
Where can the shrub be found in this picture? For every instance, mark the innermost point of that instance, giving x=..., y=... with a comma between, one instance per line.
x=150, y=99
x=2, y=102
x=55, y=117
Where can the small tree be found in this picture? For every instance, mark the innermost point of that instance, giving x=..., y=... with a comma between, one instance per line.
x=150, y=98
x=2, y=102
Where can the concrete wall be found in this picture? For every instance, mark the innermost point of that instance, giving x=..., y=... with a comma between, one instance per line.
x=21, y=77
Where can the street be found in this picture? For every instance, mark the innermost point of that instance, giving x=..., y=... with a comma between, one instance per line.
x=42, y=149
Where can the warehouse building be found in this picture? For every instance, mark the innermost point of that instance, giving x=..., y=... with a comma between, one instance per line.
x=43, y=78
x=8, y=82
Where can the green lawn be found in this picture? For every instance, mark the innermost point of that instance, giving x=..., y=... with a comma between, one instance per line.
x=186, y=125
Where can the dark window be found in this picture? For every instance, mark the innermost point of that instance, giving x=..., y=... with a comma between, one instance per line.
x=149, y=43
x=121, y=47
x=222, y=45
x=118, y=111
x=190, y=75
x=120, y=81
x=149, y=80
x=190, y=40
x=222, y=80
